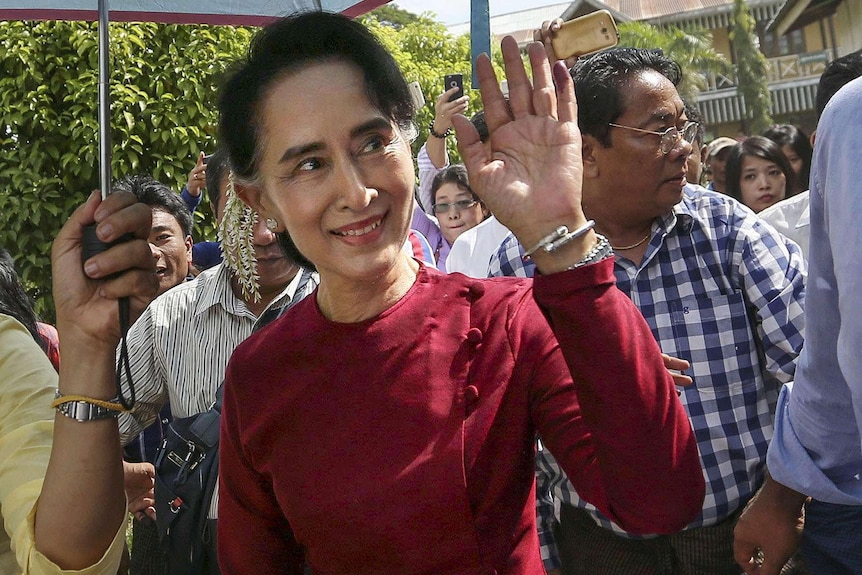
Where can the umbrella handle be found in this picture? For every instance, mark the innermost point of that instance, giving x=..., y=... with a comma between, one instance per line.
x=104, y=103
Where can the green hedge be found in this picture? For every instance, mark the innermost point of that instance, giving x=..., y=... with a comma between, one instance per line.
x=163, y=88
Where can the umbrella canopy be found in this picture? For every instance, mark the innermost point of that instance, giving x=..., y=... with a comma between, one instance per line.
x=231, y=12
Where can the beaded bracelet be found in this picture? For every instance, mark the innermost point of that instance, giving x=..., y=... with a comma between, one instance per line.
x=558, y=238
x=448, y=131
x=597, y=253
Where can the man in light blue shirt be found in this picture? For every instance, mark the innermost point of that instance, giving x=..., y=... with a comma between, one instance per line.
x=816, y=451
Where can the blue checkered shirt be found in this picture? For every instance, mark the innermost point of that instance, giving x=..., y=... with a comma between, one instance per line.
x=722, y=289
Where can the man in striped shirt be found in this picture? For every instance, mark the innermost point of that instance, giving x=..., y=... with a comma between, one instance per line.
x=171, y=245
x=180, y=346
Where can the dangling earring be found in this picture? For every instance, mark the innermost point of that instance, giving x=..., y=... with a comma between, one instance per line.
x=236, y=233
x=271, y=224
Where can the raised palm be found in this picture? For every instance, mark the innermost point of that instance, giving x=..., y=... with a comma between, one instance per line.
x=529, y=173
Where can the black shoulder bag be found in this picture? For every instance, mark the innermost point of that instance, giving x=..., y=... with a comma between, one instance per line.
x=186, y=473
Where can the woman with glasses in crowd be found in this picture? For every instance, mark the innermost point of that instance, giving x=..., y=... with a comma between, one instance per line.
x=456, y=205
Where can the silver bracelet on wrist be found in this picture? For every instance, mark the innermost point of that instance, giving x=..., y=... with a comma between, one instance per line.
x=597, y=253
x=558, y=238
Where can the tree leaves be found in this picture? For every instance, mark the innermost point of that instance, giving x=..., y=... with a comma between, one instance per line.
x=752, y=67
x=691, y=49
x=163, y=90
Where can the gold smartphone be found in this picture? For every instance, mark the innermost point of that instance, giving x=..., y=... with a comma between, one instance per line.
x=585, y=35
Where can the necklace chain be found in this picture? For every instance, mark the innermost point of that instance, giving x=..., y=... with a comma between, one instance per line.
x=634, y=245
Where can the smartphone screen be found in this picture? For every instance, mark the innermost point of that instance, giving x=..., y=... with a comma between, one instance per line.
x=207, y=158
x=452, y=81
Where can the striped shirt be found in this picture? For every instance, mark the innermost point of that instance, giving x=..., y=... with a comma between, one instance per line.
x=722, y=289
x=180, y=346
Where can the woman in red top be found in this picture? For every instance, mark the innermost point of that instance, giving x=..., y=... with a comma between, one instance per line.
x=388, y=424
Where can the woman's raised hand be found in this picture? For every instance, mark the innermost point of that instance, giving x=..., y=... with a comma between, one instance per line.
x=529, y=172
x=445, y=110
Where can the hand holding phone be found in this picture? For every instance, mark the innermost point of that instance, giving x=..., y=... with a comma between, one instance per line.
x=454, y=81
x=585, y=35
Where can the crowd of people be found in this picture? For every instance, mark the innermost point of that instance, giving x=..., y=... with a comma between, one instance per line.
x=639, y=397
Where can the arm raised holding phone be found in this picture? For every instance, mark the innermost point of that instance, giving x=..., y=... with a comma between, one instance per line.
x=435, y=146
x=569, y=40
x=451, y=102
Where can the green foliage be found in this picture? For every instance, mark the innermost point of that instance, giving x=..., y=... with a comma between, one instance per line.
x=751, y=71
x=392, y=15
x=163, y=90
x=691, y=49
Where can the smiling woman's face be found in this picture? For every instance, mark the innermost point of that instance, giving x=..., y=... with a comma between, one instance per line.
x=335, y=172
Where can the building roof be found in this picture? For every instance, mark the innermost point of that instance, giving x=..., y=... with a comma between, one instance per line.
x=649, y=9
x=798, y=13
x=658, y=9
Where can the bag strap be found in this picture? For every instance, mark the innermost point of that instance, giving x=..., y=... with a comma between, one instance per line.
x=218, y=398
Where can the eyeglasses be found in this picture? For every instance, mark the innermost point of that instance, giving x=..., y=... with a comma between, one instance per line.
x=669, y=137
x=459, y=206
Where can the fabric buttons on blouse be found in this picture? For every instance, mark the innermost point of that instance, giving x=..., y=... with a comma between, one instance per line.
x=477, y=290
x=474, y=335
x=471, y=394
x=471, y=399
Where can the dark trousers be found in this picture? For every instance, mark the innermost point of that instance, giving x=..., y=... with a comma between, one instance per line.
x=210, y=538
x=146, y=557
x=832, y=539
x=588, y=549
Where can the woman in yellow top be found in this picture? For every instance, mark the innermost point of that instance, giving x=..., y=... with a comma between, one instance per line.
x=61, y=475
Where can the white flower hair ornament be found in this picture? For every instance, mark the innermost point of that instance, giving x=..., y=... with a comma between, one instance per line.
x=236, y=233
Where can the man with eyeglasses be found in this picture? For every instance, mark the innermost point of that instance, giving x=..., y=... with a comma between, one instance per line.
x=718, y=287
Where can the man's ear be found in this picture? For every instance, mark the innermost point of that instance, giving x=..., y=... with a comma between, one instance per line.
x=589, y=146
x=252, y=197
x=189, y=245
